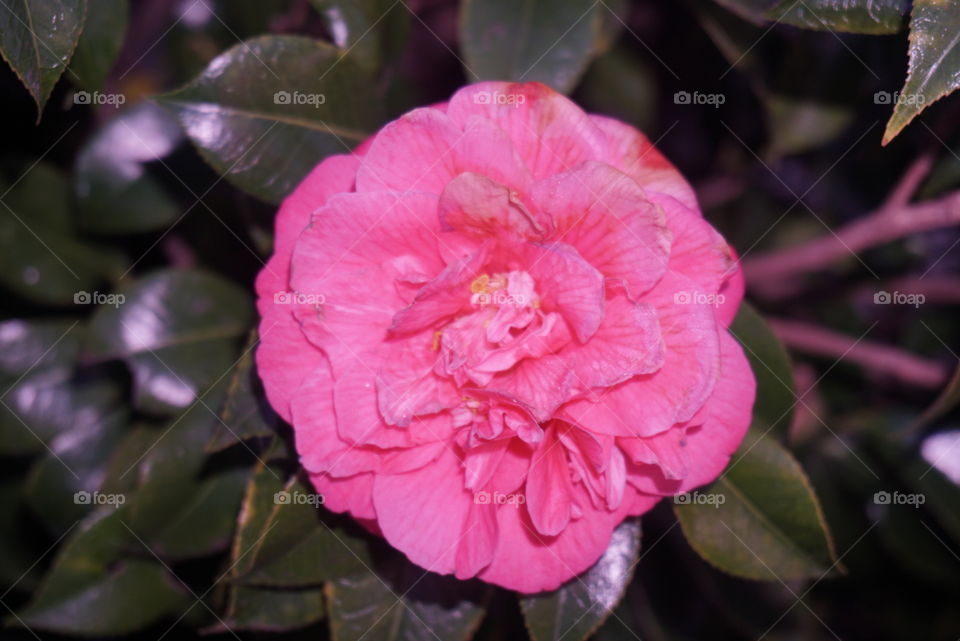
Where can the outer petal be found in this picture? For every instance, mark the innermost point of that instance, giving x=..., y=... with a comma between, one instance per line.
x=424, y=149
x=424, y=513
x=353, y=494
x=284, y=357
x=632, y=153
x=529, y=562
x=549, y=131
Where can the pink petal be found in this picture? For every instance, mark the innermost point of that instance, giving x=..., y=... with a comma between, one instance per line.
x=406, y=383
x=605, y=215
x=549, y=492
x=424, y=512
x=678, y=389
x=477, y=206
x=627, y=343
x=424, y=149
x=353, y=494
x=534, y=563
x=632, y=153
x=550, y=132
x=320, y=446
x=283, y=353
x=479, y=541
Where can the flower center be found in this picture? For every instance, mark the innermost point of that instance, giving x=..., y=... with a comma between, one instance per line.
x=514, y=289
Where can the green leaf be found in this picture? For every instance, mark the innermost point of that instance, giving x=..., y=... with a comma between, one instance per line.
x=43, y=261
x=76, y=463
x=265, y=112
x=38, y=345
x=760, y=519
x=100, y=42
x=771, y=367
x=170, y=470
x=17, y=568
x=246, y=413
x=853, y=16
x=576, y=609
x=402, y=601
x=91, y=589
x=531, y=40
x=267, y=610
x=49, y=404
x=116, y=194
x=934, y=69
x=297, y=548
x=177, y=330
x=357, y=26
x=37, y=39
x=204, y=525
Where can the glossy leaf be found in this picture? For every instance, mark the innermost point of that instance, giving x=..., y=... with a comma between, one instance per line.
x=44, y=405
x=403, y=601
x=934, y=69
x=169, y=471
x=356, y=26
x=75, y=464
x=265, y=112
x=297, y=548
x=177, y=330
x=576, y=609
x=116, y=194
x=776, y=395
x=531, y=40
x=246, y=413
x=266, y=610
x=100, y=42
x=93, y=590
x=34, y=346
x=37, y=39
x=43, y=260
x=761, y=518
x=854, y=16
x=205, y=523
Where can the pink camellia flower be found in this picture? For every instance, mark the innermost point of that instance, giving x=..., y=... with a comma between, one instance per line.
x=500, y=328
